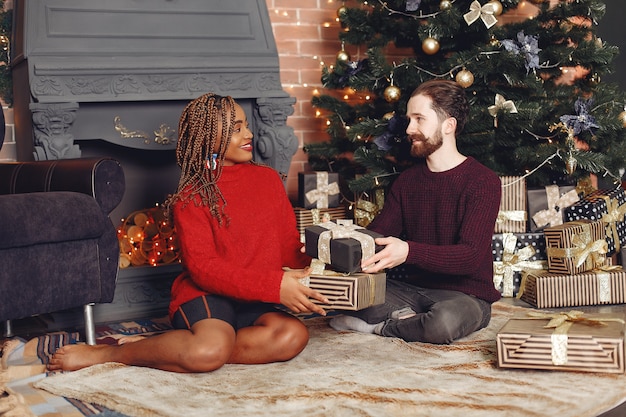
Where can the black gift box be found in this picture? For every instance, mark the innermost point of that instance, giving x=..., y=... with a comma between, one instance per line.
x=537, y=200
x=607, y=206
x=518, y=260
x=345, y=253
x=318, y=189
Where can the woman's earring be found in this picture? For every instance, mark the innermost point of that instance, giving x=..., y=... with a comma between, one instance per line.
x=212, y=162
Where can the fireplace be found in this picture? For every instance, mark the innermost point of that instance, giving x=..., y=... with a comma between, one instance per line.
x=111, y=78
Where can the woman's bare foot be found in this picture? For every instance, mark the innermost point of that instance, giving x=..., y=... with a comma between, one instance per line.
x=75, y=357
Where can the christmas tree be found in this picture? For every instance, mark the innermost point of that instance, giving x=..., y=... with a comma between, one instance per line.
x=525, y=119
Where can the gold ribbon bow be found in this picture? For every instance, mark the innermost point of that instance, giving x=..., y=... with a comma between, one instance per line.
x=319, y=217
x=512, y=262
x=501, y=105
x=561, y=323
x=485, y=12
x=343, y=231
x=323, y=189
x=551, y=216
x=583, y=250
x=615, y=214
x=365, y=211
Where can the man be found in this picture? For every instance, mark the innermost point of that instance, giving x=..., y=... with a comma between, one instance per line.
x=438, y=219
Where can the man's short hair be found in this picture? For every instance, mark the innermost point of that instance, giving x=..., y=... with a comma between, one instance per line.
x=448, y=100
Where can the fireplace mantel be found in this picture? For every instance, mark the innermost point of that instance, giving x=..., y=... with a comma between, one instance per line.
x=121, y=71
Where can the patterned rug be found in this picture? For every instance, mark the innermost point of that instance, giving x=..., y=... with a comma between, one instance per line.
x=352, y=374
x=23, y=363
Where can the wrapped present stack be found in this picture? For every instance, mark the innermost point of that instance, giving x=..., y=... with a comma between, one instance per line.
x=518, y=243
x=340, y=246
x=550, y=258
x=578, y=237
x=336, y=244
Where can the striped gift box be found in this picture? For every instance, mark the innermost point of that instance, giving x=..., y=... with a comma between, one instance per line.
x=576, y=247
x=349, y=292
x=512, y=216
x=543, y=289
x=310, y=217
x=582, y=346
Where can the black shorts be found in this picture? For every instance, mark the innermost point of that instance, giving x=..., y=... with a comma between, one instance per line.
x=236, y=313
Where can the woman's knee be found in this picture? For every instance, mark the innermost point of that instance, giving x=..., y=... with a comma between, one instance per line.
x=208, y=352
x=290, y=337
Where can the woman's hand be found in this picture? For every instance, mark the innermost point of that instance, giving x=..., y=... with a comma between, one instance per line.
x=296, y=297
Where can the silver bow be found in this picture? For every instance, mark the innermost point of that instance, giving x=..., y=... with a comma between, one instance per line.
x=551, y=216
x=323, y=189
x=485, y=12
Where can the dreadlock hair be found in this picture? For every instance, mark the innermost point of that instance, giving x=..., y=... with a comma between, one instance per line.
x=204, y=130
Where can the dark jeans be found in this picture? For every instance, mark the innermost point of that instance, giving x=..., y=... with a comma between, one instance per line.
x=442, y=315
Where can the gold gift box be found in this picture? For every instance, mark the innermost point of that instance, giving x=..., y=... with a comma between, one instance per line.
x=349, y=292
x=528, y=344
x=512, y=216
x=544, y=289
x=571, y=242
x=309, y=217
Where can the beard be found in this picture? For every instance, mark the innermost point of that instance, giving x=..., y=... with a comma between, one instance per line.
x=421, y=146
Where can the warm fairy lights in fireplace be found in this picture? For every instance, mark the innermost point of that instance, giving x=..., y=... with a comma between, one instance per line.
x=147, y=238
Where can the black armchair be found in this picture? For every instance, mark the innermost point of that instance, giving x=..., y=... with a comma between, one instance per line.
x=59, y=248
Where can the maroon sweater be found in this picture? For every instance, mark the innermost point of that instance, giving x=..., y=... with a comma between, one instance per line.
x=243, y=258
x=448, y=219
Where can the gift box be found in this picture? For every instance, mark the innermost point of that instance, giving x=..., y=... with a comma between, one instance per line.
x=342, y=246
x=544, y=289
x=512, y=214
x=546, y=206
x=570, y=341
x=514, y=253
x=318, y=189
x=608, y=206
x=576, y=247
x=349, y=292
x=311, y=217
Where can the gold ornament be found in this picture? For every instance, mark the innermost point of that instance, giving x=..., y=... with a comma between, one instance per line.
x=392, y=94
x=622, y=118
x=570, y=164
x=493, y=41
x=343, y=56
x=445, y=5
x=430, y=46
x=594, y=79
x=464, y=78
x=341, y=11
x=388, y=116
x=497, y=7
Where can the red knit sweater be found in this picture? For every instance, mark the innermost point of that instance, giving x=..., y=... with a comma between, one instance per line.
x=243, y=258
x=448, y=219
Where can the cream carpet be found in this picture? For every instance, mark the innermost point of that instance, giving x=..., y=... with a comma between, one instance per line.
x=351, y=374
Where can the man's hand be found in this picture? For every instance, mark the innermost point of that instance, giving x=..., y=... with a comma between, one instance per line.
x=295, y=296
x=394, y=254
